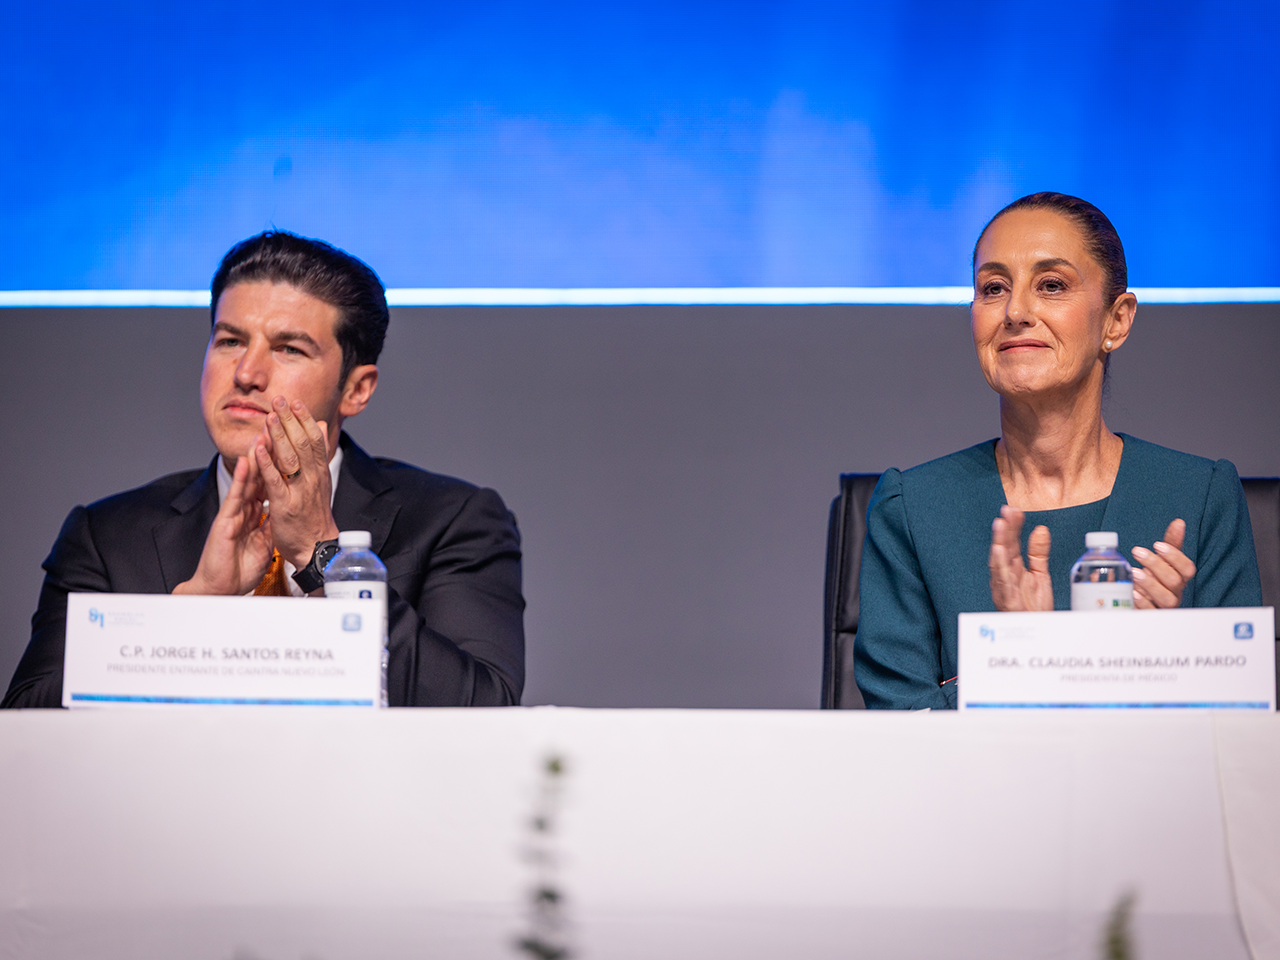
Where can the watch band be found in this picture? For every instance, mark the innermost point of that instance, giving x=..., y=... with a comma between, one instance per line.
x=311, y=577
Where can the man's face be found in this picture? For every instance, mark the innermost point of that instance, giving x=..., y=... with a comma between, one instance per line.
x=269, y=340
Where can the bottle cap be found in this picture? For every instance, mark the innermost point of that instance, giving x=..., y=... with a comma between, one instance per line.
x=1093, y=541
x=361, y=538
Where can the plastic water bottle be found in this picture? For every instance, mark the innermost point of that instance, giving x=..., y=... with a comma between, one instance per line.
x=1101, y=579
x=355, y=572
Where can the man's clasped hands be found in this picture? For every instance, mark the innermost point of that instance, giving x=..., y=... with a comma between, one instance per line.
x=280, y=500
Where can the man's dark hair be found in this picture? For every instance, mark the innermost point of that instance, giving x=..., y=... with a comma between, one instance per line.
x=324, y=272
x=1100, y=237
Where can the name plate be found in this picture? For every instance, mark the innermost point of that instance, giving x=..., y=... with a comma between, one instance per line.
x=1213, y=658
x=142, y=649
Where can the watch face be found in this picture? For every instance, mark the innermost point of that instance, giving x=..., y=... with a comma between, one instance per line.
x=326, y=552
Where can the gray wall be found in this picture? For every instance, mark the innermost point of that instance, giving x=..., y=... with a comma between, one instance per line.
x=671, y=467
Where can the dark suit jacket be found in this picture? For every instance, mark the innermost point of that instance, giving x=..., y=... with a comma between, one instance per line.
x=452, y=551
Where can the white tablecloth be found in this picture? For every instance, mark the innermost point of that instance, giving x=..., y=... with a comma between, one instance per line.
x=259, y=833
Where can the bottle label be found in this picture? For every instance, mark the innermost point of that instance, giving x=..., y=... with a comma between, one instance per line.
x=356, y=590
x=365, y=590
x=362, y=590
x=1102, y=596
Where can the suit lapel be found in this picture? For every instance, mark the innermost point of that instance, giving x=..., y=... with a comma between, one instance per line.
x=180, y=539
x=365, y=500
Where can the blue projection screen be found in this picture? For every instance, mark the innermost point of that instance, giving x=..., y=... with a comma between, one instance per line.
x=632, y=145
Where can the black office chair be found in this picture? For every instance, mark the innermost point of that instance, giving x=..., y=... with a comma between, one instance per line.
x=848, y=526
x=1263, y=494
x=845, y=532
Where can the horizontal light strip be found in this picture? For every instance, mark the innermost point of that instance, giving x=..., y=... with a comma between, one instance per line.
x=104, y=298
x=1207, y=294
x=625, y=296
x=675, y=296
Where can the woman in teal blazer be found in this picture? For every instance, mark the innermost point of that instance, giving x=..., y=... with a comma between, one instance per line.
x=1050, y=306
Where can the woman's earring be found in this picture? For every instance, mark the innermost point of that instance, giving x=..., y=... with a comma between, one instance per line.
x=1107, y=345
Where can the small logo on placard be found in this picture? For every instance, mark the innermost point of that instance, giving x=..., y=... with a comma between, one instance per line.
x=351, y=622
x=96, y=616
x=366, y=594
x=1244, y=631
x=988, y=632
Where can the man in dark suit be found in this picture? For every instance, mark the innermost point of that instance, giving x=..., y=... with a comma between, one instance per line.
x=297, y=329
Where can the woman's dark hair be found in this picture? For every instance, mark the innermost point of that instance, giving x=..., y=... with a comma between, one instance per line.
x=1100, y=236
x=324, y=272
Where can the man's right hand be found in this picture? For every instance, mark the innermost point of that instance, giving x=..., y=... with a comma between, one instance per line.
x=238, y=549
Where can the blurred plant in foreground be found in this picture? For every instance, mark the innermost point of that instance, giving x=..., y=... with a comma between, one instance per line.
x=547, y=935
x=1117, y=939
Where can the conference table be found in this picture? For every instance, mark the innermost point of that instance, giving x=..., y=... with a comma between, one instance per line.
x=265, y=833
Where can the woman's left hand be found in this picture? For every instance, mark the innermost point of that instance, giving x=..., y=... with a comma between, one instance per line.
x=1158, y=583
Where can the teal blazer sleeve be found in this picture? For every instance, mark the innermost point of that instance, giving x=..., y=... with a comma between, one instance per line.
x=1226, y=561
x=898, y=653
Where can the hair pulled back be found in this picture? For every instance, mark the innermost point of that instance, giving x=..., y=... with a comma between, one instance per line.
x=1100, y=237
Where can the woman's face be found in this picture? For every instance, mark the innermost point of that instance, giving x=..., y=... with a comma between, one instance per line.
x=1038, y=314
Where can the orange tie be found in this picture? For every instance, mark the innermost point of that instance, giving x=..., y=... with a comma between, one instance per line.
x=272, y=583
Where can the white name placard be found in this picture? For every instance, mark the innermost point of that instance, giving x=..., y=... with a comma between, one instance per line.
x=133, y=649
x=1214, y=658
